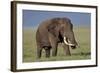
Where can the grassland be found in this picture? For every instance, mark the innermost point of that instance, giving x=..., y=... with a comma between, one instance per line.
x=82, y=35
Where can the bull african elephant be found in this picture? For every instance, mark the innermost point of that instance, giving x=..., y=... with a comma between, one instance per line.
x=53, y=31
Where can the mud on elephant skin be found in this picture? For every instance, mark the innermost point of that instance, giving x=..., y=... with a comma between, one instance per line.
x=53, y=31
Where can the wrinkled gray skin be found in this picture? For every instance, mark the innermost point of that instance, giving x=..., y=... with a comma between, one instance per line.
x=51, y=32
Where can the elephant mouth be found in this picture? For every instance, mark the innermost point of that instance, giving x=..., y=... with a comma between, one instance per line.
x=67, y=43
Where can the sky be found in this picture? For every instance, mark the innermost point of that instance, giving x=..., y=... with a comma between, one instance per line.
x=32, y=18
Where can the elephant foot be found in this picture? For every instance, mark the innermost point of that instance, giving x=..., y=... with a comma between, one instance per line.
x=68, y=54
x=54, y=53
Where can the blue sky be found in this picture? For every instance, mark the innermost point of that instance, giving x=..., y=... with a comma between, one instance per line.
x=32, y=18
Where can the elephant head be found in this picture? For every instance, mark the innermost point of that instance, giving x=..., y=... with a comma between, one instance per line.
x=62, y=28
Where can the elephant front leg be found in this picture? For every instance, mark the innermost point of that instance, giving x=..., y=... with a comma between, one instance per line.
x=54, y=44
x=54, y=49
x=66, y=49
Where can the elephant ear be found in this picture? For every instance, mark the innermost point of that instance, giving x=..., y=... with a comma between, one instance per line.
x=53, y=27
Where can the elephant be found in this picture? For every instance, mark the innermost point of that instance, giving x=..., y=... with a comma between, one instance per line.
x=53, y=31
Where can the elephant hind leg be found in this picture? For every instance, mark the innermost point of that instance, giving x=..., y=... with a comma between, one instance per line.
x=39, y=52
x=47, y=52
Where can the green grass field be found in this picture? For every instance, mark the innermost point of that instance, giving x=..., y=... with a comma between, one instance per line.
x=82, y=35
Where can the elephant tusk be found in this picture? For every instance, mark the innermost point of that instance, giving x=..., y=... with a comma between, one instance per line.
x=67, y=42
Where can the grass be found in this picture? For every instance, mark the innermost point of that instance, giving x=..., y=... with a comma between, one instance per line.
x=82, y=35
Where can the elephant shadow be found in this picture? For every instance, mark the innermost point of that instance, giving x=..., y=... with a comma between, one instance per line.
x=82, y=53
